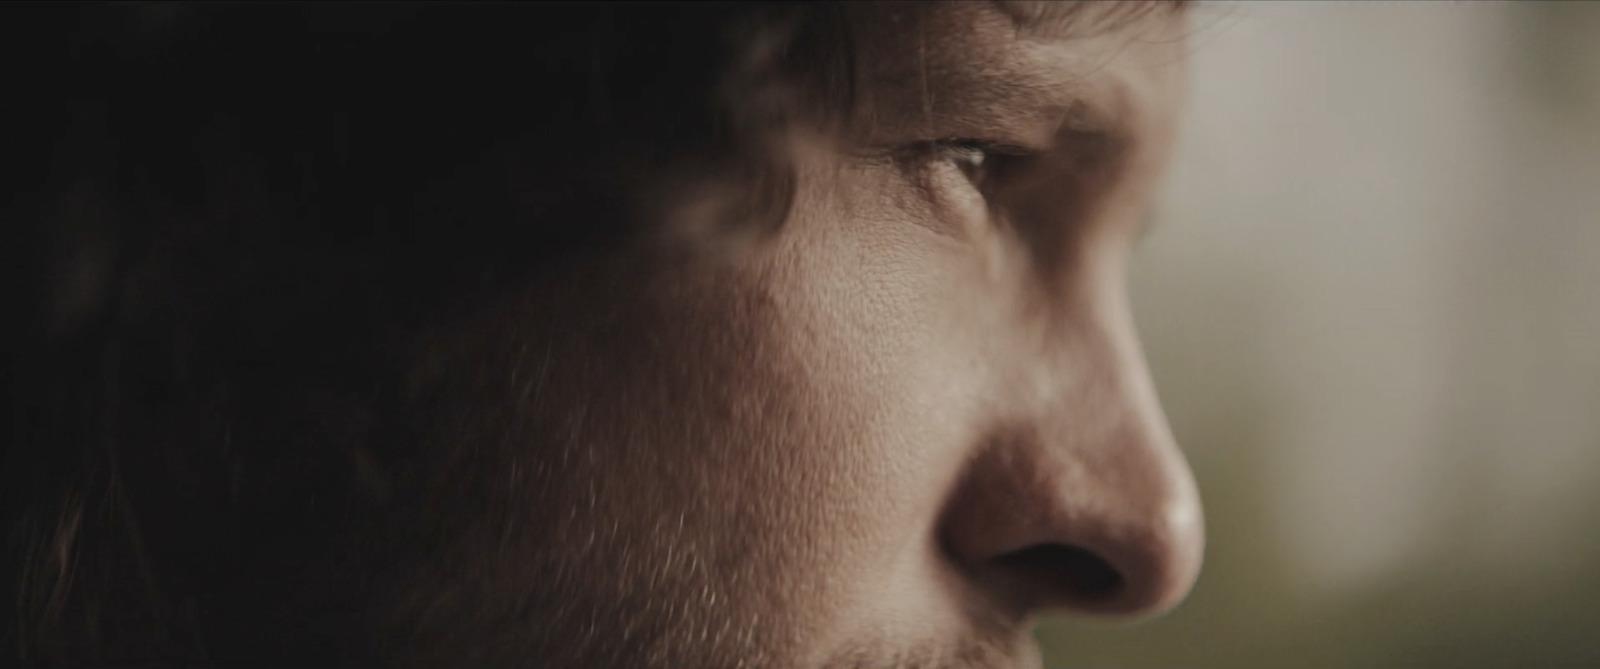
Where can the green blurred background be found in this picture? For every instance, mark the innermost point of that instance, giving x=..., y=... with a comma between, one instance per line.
x=1373, y=309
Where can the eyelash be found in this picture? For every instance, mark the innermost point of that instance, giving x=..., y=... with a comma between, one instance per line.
x=981, y=160
x=970, y=197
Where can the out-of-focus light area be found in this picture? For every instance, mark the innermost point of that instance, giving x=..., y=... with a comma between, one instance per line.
x=1372, y=306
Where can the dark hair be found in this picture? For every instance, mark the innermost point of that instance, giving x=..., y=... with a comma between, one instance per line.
x=258, y=205
x=239, y=218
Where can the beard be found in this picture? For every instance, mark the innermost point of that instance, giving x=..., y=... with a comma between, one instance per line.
x=973, y=651
x=572, y=627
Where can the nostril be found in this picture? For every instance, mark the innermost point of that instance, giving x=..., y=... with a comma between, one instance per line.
x=1065, y=572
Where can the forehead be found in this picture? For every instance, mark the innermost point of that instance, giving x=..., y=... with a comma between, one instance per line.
x=973, y=69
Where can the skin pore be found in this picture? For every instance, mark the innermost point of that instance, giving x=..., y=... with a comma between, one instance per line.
x=893, y=433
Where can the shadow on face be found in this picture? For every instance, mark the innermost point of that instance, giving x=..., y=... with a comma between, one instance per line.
x=891, y=429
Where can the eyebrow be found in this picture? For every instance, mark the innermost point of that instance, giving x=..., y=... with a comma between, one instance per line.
x=1030, y=102
x=1033, y=93
x=1063, y=17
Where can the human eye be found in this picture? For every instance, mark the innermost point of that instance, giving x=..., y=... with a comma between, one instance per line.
x=983, y=162
x=964, y=180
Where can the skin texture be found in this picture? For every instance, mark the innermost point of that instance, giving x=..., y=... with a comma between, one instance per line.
x=892, y=433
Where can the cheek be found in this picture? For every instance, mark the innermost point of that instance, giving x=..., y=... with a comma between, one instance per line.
x=751, y=451
x=886, y=328
x=816, y=401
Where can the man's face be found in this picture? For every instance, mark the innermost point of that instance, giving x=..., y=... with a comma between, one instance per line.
x=895, y=431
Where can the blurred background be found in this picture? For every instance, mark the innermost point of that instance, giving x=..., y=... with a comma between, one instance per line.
x=1373, y=309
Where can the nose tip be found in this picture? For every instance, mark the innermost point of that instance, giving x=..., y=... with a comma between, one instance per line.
x=1114, y=532
x=1142, y=564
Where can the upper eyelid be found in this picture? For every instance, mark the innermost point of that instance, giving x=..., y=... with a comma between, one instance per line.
x=1090, y=148
x=1075, y=126
x=945, y=146
x=995, y=147
x=994, y=155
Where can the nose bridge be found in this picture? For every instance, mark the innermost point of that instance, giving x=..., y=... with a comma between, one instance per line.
x=1124, y=490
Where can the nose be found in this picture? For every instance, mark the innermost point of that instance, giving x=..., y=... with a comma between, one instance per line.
x=1086, y=506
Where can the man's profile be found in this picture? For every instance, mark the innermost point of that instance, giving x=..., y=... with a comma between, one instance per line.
x=584, y=336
